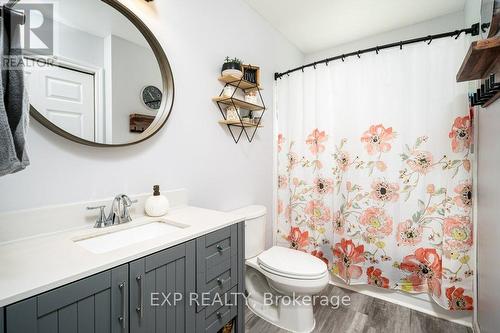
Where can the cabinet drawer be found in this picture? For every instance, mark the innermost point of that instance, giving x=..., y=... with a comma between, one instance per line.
x=217, y=254
x=213, y=317
x=216, y=287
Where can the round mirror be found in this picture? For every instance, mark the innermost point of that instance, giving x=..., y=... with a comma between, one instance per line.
x=104, y=80
x=490, y=18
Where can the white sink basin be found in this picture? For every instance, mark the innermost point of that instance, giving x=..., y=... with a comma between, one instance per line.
x=125, y=237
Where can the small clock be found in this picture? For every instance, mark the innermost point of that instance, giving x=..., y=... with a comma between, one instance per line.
x=151, y=97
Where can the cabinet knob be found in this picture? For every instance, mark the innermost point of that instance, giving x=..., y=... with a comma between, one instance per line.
x=219, y=315
x=219, y=248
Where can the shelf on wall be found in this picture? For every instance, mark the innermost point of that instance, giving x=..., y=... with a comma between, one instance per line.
x=239, y=82
x=140, y=122
x=482, y=59
x=238, y=127
x=238, y=102
x=238, y=123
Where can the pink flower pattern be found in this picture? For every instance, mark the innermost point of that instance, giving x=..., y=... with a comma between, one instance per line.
x=377, y=139
x=315, y=141
x=345, y=204
x=318, y=212
x=377, y=221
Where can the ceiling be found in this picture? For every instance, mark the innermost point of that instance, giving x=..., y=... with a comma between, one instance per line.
x=314, y=25
x=97, y=18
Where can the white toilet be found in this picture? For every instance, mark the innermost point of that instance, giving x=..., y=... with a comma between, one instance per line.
x=280, y=282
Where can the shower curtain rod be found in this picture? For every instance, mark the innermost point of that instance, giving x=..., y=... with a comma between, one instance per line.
x=473, y=30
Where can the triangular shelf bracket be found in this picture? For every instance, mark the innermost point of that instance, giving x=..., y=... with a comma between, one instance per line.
x=240, y=125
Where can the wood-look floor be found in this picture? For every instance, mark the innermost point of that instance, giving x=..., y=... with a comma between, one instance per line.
x=365, y=314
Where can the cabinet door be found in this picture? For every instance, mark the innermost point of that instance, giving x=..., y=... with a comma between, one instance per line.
x=160, y=287
x=96, y=304
x=2, y=322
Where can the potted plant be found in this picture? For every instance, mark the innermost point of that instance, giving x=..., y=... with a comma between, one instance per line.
x=232, y=67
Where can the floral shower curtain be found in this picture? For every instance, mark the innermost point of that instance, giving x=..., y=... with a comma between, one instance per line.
x=374, y=170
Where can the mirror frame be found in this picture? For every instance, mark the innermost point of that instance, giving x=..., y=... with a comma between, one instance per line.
x=167, y=82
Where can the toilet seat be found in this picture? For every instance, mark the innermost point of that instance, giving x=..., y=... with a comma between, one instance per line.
x=292, y=264
x=291, y=276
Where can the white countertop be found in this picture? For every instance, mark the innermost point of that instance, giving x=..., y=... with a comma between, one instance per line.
x=32, y=266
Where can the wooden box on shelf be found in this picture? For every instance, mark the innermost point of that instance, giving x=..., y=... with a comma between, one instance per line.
x=251, y=74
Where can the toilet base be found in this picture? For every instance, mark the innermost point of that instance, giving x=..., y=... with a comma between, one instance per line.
x=280, y=310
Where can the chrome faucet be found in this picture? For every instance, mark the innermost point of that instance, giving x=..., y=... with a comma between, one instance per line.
x=119, y=212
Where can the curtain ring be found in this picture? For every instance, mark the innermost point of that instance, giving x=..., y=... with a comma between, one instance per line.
x=343, y=57
x=376, y=49
x=302, y=69
x=430, y=40
x=401, y=45
x=358, y=55
x=326, y=63
x=314, y=65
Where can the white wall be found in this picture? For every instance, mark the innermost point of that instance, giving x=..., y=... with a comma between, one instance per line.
x=488, y=230
x=192, y=150
x=132, y=68
x=487, y=198
x=472, y=11
x=88, y=50
x=441, y=24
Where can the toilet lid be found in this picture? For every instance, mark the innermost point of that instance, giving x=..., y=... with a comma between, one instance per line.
x=291, y=263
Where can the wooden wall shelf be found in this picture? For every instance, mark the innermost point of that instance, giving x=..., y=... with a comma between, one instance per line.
x=239, y=82
x=238, y=102
x=240, y=126
x=140, y=122
x=482, y=59
x=237, y=123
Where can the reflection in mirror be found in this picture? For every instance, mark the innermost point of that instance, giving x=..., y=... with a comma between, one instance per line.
x=103, y=84
x=489, y=21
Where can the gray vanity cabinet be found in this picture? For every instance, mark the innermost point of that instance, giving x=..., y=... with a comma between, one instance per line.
x=92, y=305
x=219, y=275
x=160, y=287
x=162, y=292
x=2, y=321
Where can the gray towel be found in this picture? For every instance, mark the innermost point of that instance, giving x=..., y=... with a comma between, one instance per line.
x=14, y=106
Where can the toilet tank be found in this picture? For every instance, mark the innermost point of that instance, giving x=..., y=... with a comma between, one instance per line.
x=255, y=229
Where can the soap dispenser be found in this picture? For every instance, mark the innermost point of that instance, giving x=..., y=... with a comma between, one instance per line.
x=157, y=204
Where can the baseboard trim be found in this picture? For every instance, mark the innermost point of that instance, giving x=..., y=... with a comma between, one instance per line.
x=365, y=290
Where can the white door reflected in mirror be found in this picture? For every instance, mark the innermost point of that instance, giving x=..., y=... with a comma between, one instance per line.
x=65, y=97
x=103, y=84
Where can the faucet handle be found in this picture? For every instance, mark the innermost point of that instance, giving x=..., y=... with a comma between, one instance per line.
x=101, y=219
x=127, y=203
